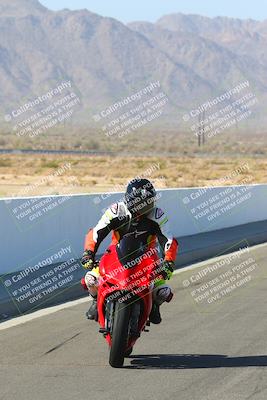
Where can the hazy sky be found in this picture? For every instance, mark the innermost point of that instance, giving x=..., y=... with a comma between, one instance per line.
x=151, y=10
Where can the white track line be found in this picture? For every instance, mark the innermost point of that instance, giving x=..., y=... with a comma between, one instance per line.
x=41, y=313
x=51, y=310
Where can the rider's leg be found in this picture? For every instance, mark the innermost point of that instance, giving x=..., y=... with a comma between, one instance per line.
x=91, y=281
x=161, y=293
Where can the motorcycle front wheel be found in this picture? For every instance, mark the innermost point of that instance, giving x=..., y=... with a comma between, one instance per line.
x=120, y=334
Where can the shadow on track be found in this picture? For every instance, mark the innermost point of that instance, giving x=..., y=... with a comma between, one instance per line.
x=191, y=361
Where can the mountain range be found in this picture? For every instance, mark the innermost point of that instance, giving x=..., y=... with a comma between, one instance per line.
x=195, y=58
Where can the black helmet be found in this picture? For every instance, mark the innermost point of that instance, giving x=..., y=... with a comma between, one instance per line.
x=140, y=196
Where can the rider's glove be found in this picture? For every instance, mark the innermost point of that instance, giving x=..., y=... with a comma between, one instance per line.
x=88, y=259
x=168, y=267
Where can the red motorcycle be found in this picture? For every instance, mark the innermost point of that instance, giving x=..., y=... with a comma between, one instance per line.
x=124, y=298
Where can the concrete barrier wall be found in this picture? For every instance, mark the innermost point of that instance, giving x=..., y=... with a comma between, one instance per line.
x=30, y=226
x=44, y=231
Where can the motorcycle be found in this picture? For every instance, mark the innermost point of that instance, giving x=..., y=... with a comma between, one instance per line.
x=124, y=298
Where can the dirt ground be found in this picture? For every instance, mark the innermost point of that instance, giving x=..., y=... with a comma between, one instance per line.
x=30, y=175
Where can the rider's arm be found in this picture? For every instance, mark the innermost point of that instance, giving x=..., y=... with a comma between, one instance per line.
x=97, y=234
x=167, y=242
x=109, y=221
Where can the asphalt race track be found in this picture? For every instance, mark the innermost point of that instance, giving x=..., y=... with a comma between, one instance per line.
x=199, y=352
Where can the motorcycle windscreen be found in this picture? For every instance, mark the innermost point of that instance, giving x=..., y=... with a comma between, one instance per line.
x=129, y=250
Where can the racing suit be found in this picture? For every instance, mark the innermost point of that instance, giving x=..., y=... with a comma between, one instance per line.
x=149, y=229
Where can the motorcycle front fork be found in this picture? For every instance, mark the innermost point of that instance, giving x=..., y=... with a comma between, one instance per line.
x=134, y=319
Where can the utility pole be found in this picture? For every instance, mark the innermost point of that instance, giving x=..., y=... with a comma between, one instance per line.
x=201, y=129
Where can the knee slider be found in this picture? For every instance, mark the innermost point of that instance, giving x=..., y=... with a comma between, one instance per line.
x=91, y=279
x=162, y=293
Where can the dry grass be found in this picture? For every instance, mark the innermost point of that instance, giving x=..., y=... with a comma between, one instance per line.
x=27, y=175
x=152, y=141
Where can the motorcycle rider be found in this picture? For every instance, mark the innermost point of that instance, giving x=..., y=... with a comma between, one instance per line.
x=136, y=216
